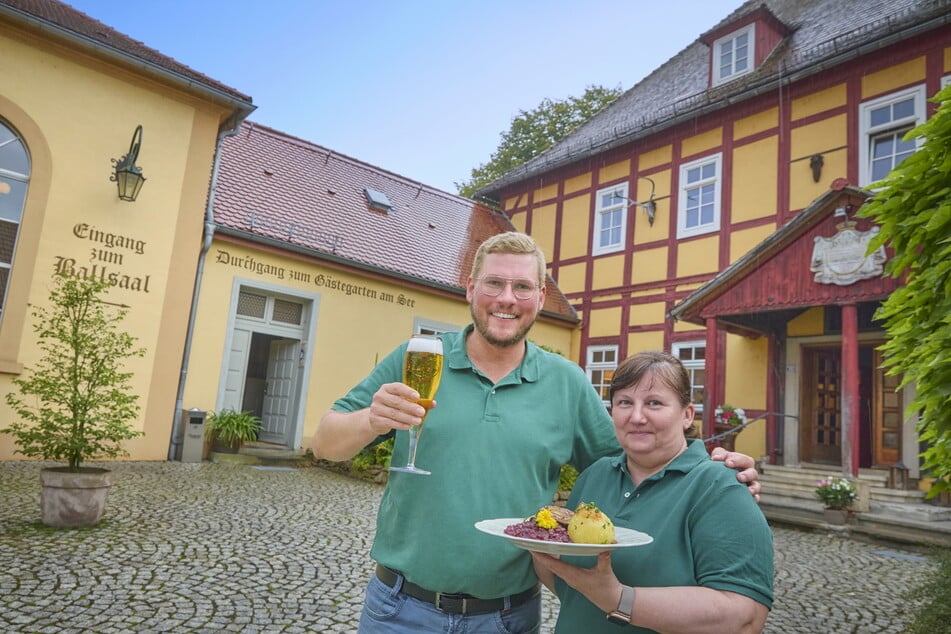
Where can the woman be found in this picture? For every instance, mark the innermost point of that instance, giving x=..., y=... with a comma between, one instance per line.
x=710, y=566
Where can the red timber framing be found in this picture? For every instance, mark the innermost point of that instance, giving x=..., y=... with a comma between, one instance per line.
x=762, y=291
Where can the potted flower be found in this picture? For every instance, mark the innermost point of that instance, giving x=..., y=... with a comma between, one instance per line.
x=729, y=416
x=725, y=419
x=837, y=495
x=76, y=403
x=229, y=429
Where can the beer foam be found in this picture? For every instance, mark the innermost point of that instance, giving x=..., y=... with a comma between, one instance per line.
x=425, y=344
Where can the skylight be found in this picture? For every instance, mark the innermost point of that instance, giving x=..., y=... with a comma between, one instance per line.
x=378, y=200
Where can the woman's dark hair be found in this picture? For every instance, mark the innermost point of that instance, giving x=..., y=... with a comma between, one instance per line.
x=661, y=366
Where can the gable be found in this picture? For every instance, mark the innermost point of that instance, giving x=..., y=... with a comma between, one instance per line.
x=776, y=275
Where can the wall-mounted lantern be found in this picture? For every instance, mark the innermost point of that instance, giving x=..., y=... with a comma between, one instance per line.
x=127, y=175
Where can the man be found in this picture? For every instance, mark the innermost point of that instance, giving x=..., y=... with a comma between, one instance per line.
x=509, y=415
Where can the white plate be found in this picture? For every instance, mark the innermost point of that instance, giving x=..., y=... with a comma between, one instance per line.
x=626, y=538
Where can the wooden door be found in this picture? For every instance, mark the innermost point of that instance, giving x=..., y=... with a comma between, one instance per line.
x=887, y=414
x=283, y=361
x=821, y=412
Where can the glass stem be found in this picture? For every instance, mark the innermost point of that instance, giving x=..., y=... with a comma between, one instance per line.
x=413, y=435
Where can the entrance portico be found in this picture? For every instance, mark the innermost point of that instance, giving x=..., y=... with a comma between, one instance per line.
x=811, y=291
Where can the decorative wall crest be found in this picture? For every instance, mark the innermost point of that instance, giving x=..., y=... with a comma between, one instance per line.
x=842, y=260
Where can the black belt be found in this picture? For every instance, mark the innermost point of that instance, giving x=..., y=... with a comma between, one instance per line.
x=454, y=603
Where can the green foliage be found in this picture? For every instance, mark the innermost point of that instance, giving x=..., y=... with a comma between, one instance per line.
x=76, y=402
x=377, y=455
x=914, y=212
x=232, y=428
x=567, y=477
x=933, y=598
x=535, y=131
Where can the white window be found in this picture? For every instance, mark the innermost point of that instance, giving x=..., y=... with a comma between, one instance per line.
x=733, y=55
x=610, y=219
x=254, y=305
x=883, y=123
x=945, y=81
x=699, y=202
x=693, y=355
x=14, y=178
x=422, y=326
x=602, y=362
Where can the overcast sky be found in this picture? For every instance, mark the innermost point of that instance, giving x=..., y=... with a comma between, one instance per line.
x=422, y=88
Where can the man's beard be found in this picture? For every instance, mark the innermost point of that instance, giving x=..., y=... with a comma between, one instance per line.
x=482, y=327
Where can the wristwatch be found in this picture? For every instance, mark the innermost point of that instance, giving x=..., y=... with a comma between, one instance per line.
x=622, y=613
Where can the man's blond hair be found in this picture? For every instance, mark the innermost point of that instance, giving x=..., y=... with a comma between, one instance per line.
x=511, y=242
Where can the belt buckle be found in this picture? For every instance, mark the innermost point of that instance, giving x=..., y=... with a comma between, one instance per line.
x=440, y=596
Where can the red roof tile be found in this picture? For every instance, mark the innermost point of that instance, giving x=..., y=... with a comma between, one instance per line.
x=280, y=188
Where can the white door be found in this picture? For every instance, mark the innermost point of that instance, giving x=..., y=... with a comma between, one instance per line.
x=236, y=369
x=279, y=391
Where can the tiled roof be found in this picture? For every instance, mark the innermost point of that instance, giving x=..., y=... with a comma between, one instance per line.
x=822, y=33
x=279, y=189
x=60, y=18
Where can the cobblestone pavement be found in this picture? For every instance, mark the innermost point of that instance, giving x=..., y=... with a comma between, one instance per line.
x=234, y=548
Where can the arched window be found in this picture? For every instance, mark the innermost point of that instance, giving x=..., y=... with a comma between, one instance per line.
x=14, y=178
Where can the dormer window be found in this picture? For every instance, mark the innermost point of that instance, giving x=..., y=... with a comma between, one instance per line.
x=733, y=54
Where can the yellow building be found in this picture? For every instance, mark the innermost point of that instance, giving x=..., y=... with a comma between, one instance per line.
x=273, y=291
x=73, y=97
x=317, y=267
x=668, y=214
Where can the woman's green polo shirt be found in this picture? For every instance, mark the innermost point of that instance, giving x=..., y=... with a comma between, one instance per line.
x=707, y=529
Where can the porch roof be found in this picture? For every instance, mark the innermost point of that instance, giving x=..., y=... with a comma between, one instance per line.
x=773, y=282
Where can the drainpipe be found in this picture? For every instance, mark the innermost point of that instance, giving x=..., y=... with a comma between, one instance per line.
x=208, y=235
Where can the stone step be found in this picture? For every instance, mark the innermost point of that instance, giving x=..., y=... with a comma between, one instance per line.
x=869, y=525
x=798, y=489
x=811, y=475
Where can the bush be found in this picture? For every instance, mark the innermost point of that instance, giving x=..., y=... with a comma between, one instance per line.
x=933, y=598
x=566, y=480
x=376, y=456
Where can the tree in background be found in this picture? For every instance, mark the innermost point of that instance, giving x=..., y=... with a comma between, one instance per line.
x=534, y=131
x=914, y=212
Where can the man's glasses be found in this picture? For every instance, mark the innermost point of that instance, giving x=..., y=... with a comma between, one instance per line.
x=493, y=286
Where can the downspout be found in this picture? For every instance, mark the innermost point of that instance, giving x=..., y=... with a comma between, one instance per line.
x=208, y=235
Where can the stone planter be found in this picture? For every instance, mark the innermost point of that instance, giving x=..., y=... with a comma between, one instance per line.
x=837, y=517
x=72, y=499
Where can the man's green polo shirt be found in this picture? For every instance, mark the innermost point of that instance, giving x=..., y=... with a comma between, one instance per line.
x=494, y=451
x=707, y=530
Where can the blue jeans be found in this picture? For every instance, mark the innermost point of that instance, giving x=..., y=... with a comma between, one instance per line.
x=388, y=611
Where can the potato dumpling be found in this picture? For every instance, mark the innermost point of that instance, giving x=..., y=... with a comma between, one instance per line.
x=589, y=525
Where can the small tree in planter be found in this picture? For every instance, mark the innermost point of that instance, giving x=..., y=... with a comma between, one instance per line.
x=76, y=403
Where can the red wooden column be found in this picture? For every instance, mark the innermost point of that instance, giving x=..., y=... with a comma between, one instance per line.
x=772, y=405
x=712, y=385
x=850, y=390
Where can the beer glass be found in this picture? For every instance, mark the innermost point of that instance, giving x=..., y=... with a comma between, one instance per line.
x=422, y=369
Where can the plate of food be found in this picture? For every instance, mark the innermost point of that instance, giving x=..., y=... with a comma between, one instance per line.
x=556, y=530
